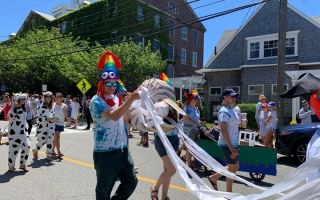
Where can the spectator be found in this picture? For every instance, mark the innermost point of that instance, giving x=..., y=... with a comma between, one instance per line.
x=262, y=119
x=7, y=106
x=75, y=111
x=271, y=124
x=262, y=99
x=229, y=137
x=87, y=114
x=68, y=102
x=305, y=112
x=60, y=110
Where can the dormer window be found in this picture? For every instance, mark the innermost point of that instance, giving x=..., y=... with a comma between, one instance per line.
x=171, y=7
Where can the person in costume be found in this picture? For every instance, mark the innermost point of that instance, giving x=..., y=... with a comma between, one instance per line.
x=7, y=106
x=18, y=137
x=112, y=159
x=45, y=127
x=191, y=121
x=168, y=168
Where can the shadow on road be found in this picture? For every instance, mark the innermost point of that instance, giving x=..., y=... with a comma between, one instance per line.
x=40, y=163
x=7, y=176
x=287, y=161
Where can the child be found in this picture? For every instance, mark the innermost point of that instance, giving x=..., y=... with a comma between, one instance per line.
x=271, y=124
x=75, y=111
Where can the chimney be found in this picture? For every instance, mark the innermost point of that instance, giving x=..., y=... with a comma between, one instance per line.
x=215, y=50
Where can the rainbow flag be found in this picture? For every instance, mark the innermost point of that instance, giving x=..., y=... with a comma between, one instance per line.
x=164, y=78
x=121, y=86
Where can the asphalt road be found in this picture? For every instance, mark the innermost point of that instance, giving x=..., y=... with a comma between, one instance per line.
x=73, y=176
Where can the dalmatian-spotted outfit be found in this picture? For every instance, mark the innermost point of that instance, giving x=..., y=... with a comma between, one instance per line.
x=45, y=129
x=18, y=137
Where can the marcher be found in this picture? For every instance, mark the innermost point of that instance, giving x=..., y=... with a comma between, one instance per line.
x=68, y=102
x=229, y=137
x=87, y=114
x=75, y=108
x=18, y=138
x=60, y=109
x=144, y=139
x=29, y=113
x=168, y=168
x=112, y=159
x=45, y=127
x=191, y=121
x=271, y=124
x=262, y=119
x=305, y=112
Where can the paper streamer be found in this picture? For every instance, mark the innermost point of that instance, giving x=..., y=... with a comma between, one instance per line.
x=198, y=187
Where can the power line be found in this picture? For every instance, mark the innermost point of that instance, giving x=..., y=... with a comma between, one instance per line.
x=110, y=39
x=25, y=7
x=6, y=2
x=208, y=17
x=99, y=33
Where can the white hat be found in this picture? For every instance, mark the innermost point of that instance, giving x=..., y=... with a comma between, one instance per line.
x=47, y=93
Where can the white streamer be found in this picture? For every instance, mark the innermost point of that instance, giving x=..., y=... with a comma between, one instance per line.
x=198, y=188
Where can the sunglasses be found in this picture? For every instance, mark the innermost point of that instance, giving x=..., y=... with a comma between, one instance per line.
x=109, y=84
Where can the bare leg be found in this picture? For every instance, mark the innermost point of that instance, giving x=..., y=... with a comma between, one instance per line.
x=229, y=182
x=268, y=138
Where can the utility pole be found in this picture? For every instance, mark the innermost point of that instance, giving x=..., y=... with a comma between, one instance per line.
x=281, y=59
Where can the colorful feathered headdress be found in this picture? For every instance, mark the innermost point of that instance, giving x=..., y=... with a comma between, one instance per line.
x=164, y=78
x=109, y=63
x=193, y=95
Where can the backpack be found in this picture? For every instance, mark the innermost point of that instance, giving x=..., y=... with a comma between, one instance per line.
x=298, y=120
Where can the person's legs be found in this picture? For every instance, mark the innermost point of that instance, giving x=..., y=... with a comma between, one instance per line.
x=127, y=176
x=29, y=126
x=25, y=149
x=88, y=122
x=107, y=170
x=14, y=148
x=49, y=140
x=75, y=122
x=268, y=138
x=229, y=182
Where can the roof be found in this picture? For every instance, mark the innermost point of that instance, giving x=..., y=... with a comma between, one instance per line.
x=48, y=17
x=316, y=18
x=226, y=36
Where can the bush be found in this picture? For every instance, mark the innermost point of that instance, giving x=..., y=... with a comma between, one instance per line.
x=250, y=109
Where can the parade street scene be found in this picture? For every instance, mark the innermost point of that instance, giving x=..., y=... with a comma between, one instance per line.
x=170, y=100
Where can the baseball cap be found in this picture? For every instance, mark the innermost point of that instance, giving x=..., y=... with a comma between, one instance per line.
x=229, y=92
x=264, y=105
x=271, y=103
x=304, y=102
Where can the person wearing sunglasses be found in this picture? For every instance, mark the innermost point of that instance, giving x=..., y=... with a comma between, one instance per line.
x=111, y=156
x=16, y=140
x=229, y=137
x=7, y=106
x=45, y=127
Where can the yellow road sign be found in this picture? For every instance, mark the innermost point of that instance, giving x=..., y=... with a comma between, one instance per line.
x=84, y=85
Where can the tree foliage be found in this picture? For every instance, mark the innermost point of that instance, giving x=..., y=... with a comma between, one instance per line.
x=63, y=72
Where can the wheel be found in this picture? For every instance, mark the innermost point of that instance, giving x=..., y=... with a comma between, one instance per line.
x=256, y=176
x=300, y=151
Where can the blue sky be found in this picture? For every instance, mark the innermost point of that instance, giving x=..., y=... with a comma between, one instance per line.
x=14, y=12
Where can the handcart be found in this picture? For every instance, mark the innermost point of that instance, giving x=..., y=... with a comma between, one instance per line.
x=257, y=160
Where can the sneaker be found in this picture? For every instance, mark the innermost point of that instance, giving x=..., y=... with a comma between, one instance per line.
x=145, y=145
x=140, y=143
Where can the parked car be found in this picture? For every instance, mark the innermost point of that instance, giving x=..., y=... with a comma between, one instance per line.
x=294, y=139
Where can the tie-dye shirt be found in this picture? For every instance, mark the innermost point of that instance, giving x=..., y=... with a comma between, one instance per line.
x=194, y=116
x=228, y=116
x=108, y=134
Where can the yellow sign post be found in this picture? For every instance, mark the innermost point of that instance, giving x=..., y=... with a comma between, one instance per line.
x=84, y=85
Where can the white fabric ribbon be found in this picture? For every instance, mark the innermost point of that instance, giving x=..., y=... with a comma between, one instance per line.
x=197, y=186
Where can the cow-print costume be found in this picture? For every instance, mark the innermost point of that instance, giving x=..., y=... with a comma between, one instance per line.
x=18, y=137
x=45, y=129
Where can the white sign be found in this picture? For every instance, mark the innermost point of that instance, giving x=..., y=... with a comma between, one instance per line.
x=44, y=88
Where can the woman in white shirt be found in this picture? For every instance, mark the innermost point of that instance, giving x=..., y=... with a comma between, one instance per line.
x=60, y=109
x=75, y=111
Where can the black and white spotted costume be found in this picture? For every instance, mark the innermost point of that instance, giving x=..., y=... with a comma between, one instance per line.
x=18, y=138
x=45, y=129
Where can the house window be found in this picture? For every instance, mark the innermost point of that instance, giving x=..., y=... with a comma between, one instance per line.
x=170, y=71
x=63, y=27
x=183, y=56
x=266, y=46
x=235, y=88
x=254, y=50
x=183, y=75
x=157, y=20
x=171, y=7
x=140, y=40
x=171, y=27
x=274, y=88
x=195, y=37
x=194, y=59
x=170, y=52
x=140, y=14
x=255, y=89
x=184, y=33
x=156, y=45
x=215, y=91
x=114, y=36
